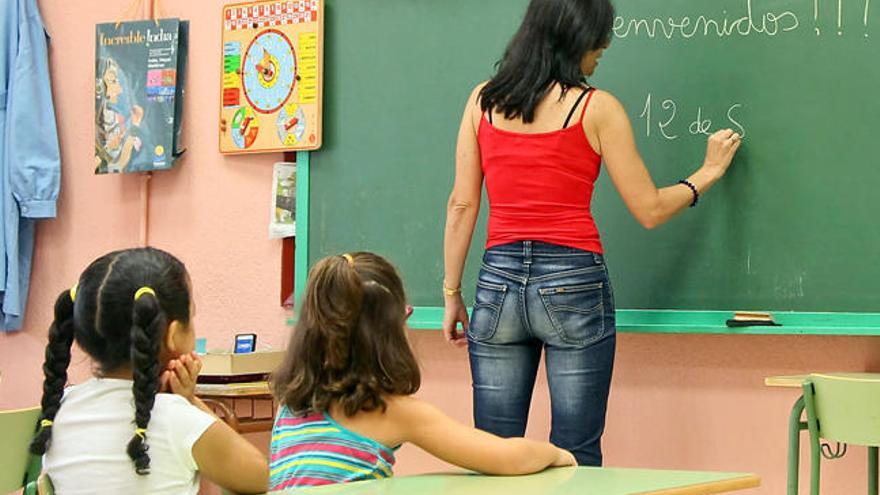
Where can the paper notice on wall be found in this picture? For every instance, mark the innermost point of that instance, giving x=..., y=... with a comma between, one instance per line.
x=282, y=222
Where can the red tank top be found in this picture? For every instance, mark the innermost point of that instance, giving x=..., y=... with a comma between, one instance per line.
x=540, y=185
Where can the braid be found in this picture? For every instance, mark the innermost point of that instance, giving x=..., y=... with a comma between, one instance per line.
x=55, y=370
x=120, y=329
x=148, y=320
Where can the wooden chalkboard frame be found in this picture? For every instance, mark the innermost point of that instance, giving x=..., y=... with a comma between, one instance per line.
x=628, y=320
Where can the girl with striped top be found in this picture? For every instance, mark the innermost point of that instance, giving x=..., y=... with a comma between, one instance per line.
x=347, y=384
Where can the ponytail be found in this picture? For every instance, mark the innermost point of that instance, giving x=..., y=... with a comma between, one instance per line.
x=349, y=346
x=148, y=322
x=366, y=376
x=55, y=369
x=334, y=303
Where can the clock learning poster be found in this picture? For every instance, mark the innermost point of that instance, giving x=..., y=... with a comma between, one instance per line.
x=272, y=76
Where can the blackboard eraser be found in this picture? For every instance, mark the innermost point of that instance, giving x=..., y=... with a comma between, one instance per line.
x=752, y=319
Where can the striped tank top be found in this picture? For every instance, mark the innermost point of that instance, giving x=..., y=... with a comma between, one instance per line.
x=316, y=450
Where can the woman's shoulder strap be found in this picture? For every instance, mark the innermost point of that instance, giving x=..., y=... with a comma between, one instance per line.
x=574, y=107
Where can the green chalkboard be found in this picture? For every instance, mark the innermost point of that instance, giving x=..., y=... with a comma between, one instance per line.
x=791, y=228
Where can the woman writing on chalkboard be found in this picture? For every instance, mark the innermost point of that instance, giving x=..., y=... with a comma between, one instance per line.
x=537, y=133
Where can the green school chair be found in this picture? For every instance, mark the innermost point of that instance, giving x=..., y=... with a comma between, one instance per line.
x=843, y=408
x=17, y=466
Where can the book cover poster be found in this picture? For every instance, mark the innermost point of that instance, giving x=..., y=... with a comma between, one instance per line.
x=138, y=85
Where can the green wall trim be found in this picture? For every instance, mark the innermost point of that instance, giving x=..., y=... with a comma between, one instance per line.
x=709, y=322
x=301, y=261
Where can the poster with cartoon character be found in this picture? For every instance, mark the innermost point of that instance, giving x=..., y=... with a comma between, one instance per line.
x=139, y=69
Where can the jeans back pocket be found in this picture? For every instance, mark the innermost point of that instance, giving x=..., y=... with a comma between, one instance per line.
x=577, y=312
x=488, y=301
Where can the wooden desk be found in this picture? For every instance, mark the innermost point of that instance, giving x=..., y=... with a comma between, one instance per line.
x=786, y=381
x=562, y=481
x=222, y=399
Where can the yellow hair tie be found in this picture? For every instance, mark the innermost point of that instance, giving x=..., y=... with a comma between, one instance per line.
x=142, y=291
x=141, y=432
x=73, y=293
x=45, y=423
x=349, y=259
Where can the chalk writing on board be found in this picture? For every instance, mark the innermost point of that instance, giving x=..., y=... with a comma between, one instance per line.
x=745, y=21
x=866, y=10
x=701, y=122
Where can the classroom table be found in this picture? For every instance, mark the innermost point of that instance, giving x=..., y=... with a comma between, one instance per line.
x=222, y=398
x=561, y=481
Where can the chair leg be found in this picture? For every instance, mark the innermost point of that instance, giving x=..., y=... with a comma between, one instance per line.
x=815, y=443
x=815, y=468
x=794, y=445
x=872, y=470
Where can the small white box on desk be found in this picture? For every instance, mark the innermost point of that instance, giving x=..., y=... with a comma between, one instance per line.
x=227, y=364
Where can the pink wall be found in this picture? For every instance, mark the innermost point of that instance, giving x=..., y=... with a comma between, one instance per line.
x=684, y=402
x=211, y=211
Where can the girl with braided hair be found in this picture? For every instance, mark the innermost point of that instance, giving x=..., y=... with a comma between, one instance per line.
x=136, y=426
x=347, y=384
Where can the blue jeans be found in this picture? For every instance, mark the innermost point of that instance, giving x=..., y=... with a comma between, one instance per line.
x=533, y=296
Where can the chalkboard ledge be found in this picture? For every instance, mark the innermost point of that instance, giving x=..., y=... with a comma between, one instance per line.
x=709, y=322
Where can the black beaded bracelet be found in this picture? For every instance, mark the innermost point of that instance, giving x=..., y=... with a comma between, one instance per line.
x=693, y=190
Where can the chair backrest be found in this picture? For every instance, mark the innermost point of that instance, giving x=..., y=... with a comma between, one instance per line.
x=16, y=430
x=846, y=406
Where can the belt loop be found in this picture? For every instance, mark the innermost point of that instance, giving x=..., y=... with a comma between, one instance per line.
x=527, y=252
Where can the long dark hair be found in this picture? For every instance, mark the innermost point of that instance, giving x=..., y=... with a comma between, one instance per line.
x=349, y=345
x=546, y=50
x=116, y=329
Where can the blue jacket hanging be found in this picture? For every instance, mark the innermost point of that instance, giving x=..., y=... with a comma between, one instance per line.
x=30, y=160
